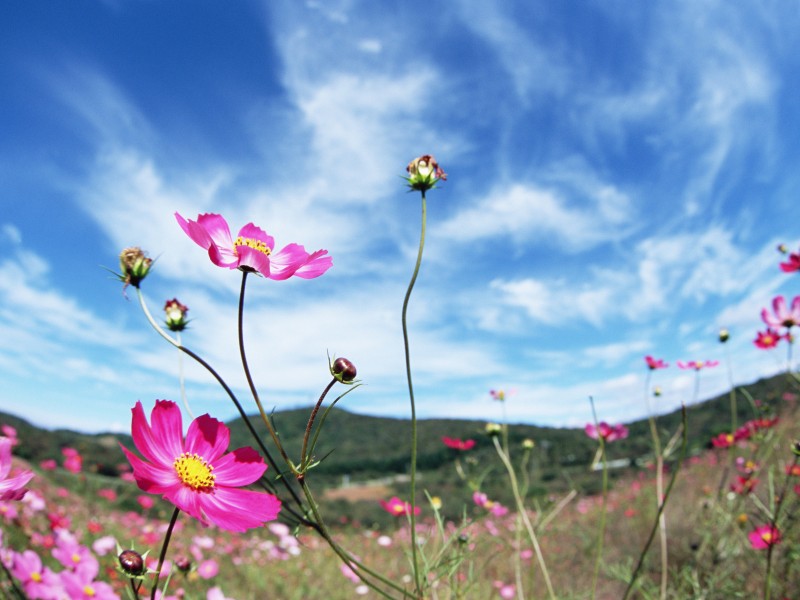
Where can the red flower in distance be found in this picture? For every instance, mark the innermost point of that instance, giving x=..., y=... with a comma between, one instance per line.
x=457, y=444
x=398, y=507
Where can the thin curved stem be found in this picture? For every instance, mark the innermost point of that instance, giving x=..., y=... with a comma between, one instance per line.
x=182, y=379
x=413, y=525
x=640, y=563
x=524, y=515
x=602, y=533
x=659, y=457
x=250, y=383
x=303, y=459
x=163, y=554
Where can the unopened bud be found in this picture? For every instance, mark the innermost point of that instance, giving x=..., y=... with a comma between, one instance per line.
x=424, y=172
x=782, y=248
x=724, y=335
x=176, y=315
x=528, y=444
x=183, y=564
x=135, y=266
x=343, y=370
x=493, y=429
x=656, y=391
x=796, y=447
x=132, y=563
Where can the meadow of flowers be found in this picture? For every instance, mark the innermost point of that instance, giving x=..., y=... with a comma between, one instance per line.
x=214, y=522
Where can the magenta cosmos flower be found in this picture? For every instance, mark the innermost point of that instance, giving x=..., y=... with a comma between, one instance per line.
x=609, y=433
x=196, y=474
x=398, y=507
x=763, y=537
x=252, y=250
x=783, y=317
x=767, y=339
x=655, y=363
x=457, y=444
x=11, y=488
x=791, y=265
x=697, y=365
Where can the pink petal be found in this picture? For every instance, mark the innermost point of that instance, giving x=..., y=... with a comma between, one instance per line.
x=207, y=437
x=239, y=510
x=317, y=264
x=153, y=479
x=255, y=259
x=241, y=467
x=254, y=232
x=167, y=428
x=143, y=439
x=284, y=263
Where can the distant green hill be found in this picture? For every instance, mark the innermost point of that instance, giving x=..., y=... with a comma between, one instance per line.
x=360, y=448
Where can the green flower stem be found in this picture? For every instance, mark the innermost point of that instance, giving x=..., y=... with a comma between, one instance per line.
x=524, y=515
x=774, y=526
x=304, y=460
x=181, y=378
x=659, y=456
x=164, y=547
x=238, y=406
x=12, y=582
x=250, y=383
x=413, y=519
x=640, y=563
x=357, y=566
x=602, y=533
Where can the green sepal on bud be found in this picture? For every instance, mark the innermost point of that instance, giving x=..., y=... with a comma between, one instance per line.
x=424, y=173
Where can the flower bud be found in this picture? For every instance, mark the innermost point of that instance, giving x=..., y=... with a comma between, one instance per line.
x=343, y=370
x=783, y=249
x=131, y=563
x=176, y=315
x=183, y=564
x=796, y=447
x=528, y=444
x=135, y=266
x=724, y=335
x=493, y=429
x=424, y=172
x=657, y=391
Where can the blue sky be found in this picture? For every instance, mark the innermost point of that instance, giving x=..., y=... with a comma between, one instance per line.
x=619, y=177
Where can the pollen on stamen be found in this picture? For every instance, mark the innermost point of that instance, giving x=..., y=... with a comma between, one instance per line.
x=254, y=244
x=195, y=472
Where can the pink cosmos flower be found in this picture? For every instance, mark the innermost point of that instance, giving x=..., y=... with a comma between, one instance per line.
x=697, y=364
x=196, y=474
x=783, y=316
x=764, y=537
x=793, y=264
x=723, y=440
x=73, y=461
x=767, y=339
x=655, y=363
x=608, y=432
x=11, y=488
x=398, y=507
x=37, y=581
x=208, y=569
x=252, y=250
x=457, y=444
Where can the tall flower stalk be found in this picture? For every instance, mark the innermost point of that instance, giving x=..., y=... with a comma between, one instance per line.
x=423, y=174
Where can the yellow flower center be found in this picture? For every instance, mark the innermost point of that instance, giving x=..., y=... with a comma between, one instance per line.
x=76, y=558
x=36, y=577
x=254, y=244
x=88, y=590
x=195, y=472
x=766, y=536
